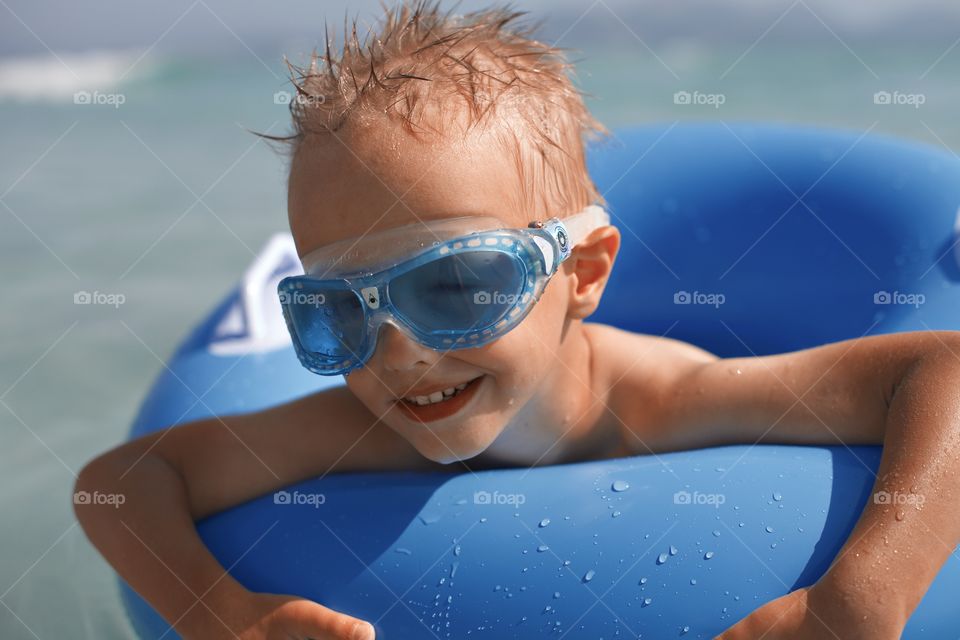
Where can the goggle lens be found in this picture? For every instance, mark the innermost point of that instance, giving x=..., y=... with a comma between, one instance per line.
x=464, y=292
x=328, y=322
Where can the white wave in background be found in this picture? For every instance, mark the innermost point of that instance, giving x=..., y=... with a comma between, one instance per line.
x=54, y=78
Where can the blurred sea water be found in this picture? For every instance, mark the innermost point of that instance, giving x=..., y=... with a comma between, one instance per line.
x=159, y=196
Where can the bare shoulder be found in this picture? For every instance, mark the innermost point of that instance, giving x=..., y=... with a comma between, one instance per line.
x=640, y=371
x=335, y=421
x=229, y=459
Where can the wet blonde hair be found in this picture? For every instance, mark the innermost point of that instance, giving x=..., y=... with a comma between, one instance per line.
x=428, y=69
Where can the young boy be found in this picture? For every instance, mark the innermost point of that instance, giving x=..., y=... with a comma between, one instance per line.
x=412, y=158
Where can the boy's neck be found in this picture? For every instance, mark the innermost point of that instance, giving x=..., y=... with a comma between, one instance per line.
x=561, y=422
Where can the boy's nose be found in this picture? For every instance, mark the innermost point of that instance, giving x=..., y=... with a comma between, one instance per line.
x=398, y=352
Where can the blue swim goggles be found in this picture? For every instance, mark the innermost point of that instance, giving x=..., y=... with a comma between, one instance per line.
x=451, y=284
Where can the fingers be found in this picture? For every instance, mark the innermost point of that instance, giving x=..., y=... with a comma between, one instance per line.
x=316, y=622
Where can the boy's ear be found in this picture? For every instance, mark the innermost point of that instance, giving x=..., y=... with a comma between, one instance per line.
x=590, y=265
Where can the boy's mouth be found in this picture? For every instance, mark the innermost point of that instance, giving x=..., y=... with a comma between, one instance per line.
x=439, y=404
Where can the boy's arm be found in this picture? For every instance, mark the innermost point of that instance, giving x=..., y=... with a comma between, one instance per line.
x=901, y=390
x=171, y=478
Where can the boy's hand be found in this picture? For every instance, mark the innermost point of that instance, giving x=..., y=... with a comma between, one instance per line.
x=814, y=613
x=282, y=617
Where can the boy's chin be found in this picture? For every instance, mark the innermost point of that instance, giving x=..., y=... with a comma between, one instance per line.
x=445, y=452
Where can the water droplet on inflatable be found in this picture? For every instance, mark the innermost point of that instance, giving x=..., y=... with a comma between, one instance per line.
x=777, y=496
x=661, y=558
x=643, y=581
x=405, y=552
x=673, y=550
x=685, y=630
x=556, y=594
x=647, y=602
x=547, y=608
x=620, y=485
x=768, y=529
x=615, y=514
x=741, y=524
x=456, y=550
x=542, y=548
x=544, y=522
x=588, y=576
x=716, y=533
x=708, y=555
x=693, y=581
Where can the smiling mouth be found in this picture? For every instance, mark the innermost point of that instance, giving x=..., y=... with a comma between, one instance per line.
x=439, y=404
x=437, y=396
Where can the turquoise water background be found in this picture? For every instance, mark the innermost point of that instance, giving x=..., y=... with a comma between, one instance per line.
x=165, y=199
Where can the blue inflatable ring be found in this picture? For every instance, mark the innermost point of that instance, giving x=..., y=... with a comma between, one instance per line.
x=803, y=231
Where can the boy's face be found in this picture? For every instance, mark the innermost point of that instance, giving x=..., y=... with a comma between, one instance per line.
x=386, y=179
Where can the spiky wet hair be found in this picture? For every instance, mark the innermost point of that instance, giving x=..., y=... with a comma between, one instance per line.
x=428, y=69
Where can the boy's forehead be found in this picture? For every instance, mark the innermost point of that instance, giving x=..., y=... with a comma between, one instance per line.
x=360, y=182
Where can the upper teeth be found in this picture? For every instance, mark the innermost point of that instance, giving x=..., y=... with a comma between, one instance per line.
x=436, y=396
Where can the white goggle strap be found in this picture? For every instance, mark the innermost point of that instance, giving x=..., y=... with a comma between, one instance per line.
x=567, y=234
x=581, y=225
